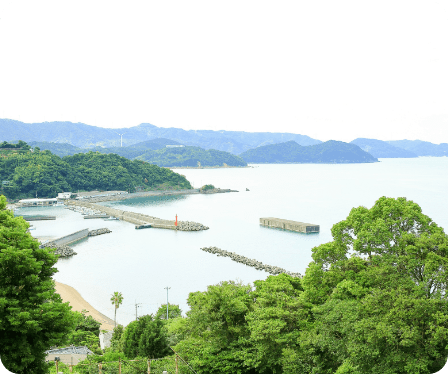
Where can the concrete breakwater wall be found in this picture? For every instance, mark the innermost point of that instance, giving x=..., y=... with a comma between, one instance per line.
x=67, y=239
x=274, y=270
x=143, y=219
x=63, y=250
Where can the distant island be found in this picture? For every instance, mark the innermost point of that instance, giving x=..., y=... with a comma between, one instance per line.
x=382, y=149
x=27, y=173
x=330, y=152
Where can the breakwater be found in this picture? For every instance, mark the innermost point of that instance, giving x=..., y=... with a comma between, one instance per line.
x=274, y=270
x=63, y=250
x=117, y=197
x=139, y=219
x=99, y=232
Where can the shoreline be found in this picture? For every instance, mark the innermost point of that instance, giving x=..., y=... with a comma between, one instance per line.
x=77, y=302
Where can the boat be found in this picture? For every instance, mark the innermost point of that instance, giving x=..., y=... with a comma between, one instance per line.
x=111, y=218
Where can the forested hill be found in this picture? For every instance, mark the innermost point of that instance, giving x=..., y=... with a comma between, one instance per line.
x=331, y=151
x=46, y=174
x=85, y=136
x=155, y=152
x=382, y=149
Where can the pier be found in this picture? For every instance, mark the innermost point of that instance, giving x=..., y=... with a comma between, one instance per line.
x=138, y=219
x=289, y=225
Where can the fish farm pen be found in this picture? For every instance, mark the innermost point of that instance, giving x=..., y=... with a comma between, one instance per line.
x=289, y=225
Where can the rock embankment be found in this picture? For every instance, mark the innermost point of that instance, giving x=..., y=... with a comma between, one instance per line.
x=274, y=270
x=61, y=250
x=216, y=190
x=99, y=232
x=190, y=226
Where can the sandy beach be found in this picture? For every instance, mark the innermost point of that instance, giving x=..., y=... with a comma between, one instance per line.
x=73, y=297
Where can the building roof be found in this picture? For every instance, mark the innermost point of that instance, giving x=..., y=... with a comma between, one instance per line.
x=36, y=200
x=81, y=350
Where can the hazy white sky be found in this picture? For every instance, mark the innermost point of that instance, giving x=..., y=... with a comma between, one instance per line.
x=327, y=69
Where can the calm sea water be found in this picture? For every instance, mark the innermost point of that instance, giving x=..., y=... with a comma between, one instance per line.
x=141, y=263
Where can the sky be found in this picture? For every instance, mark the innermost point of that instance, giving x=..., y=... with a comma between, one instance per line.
x=327, y=69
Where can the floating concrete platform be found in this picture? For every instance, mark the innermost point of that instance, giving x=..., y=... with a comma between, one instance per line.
x=289, y=225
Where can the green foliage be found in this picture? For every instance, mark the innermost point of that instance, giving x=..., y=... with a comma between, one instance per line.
x=207, y=187
x=145, y=337
x=173, y=311
x=116, y=342
x=46, y=174
x=19, y=145
x=331, y=151
x=379, y=290
x=86, y=332
x=32, y=315
x=278, y=316
x=217, y=328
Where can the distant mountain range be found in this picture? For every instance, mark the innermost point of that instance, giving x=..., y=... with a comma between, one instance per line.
x=329, y=152
x=85, y=136
x=401, y=148
x=421, y=148
x=382, y=149
x=78, y=137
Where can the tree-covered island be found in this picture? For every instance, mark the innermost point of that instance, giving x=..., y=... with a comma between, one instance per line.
x=41, y=173
x=330, y=152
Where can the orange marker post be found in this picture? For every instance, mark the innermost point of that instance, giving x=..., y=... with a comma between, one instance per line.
x=176, y=221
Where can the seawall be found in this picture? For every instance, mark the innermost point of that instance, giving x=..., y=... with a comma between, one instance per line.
x=139, y=219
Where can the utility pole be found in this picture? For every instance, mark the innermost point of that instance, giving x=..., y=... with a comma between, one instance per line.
x=167, y=288
x=136, y=306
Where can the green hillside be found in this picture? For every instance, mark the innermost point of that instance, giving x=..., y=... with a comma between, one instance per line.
x=41, y=172
x=154, y=151
x=330, y=152
x=191, y=157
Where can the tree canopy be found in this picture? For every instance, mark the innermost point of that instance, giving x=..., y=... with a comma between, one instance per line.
x=45, y=174
x=372, y=301
x=32, y=315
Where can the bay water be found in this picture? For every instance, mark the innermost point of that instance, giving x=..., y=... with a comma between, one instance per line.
x=142, y=263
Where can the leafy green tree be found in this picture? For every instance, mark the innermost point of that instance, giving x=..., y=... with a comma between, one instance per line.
x=173, y=311
x=116, y=299
x=217, y=329
x=279, y=314
x=145, y=337
x=380, y=294
x=32, y=315
x=116, y=342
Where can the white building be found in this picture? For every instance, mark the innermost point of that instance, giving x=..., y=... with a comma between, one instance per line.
x=64, y=195
x=38, y=202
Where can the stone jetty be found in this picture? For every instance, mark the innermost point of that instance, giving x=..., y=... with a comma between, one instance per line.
x=64, y=250
x=190, y=226
x=138, y=219
x=99, y=232
x=274, y=270
x=61, y=250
